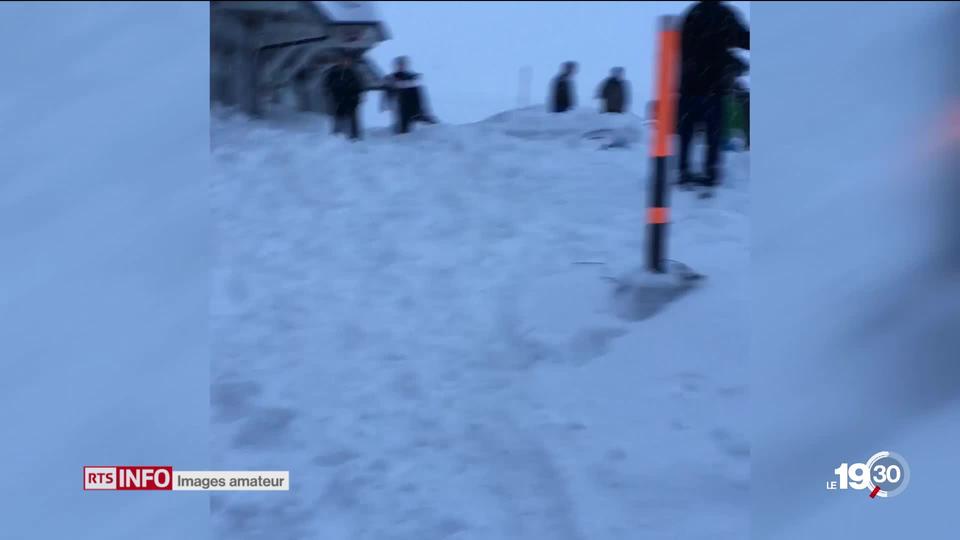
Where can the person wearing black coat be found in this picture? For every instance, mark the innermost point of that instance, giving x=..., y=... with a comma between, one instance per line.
x=562, y=97
x=710, y=29
x=614, y=92
x=344, y=89
x=403, y=92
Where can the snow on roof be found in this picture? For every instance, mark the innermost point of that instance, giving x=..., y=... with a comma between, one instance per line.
x=349, y=11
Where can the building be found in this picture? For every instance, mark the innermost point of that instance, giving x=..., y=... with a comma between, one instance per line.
x=275, y=53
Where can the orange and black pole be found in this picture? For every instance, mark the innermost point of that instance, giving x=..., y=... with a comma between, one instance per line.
x=658, y=210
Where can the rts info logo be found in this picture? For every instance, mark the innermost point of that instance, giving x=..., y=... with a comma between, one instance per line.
x=118, y=478
x=886, y=474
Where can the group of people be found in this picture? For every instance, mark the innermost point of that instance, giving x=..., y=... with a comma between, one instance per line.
x=402, y=93
x=711, y=99
x=614, y=91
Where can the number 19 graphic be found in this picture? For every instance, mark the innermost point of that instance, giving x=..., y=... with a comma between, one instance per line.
x=886, y=474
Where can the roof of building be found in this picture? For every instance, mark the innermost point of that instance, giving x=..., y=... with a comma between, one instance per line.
x=346, y=13
x=349, y=12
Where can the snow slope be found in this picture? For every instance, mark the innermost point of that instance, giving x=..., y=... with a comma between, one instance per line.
x=413, y=327
x=104, y=266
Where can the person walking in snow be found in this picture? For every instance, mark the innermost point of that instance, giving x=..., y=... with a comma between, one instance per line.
x=614, y=92
x=403, y=93
x=562, y=97
x=710, y=29
x=344, y=89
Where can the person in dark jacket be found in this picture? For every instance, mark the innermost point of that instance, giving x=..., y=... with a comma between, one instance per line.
x=344, y=89
x=403, y=92
x=614, y=92
x=562, y=97
x=710, y=29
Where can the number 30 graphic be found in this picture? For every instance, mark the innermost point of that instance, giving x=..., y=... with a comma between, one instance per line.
x=887, y=472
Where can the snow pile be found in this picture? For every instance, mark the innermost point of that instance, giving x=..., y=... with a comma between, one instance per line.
x=535, y=123
x=419, y=329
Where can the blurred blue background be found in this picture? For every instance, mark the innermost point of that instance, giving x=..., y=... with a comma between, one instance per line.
x=855, y=293
x=104, y=250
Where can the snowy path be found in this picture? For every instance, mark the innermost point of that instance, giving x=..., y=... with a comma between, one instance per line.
x=381, y=333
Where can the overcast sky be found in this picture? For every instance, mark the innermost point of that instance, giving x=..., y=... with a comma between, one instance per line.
x=471, y=53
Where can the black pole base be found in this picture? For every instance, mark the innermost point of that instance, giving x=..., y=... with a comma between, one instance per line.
x=643, y=293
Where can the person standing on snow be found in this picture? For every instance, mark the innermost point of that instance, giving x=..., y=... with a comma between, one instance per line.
x=562, y=97
x=614, y=92
x=403, y=93
x=710, y=29
x=344, y=89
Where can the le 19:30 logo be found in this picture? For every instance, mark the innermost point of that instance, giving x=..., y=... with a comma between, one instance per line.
x=886, y=474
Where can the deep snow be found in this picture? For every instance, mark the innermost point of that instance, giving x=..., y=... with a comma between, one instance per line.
x=413, y=328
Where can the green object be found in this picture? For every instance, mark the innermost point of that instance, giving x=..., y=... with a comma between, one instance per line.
x=734, y=118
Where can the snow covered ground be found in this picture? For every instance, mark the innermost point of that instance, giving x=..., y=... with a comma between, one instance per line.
x=418, y=329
